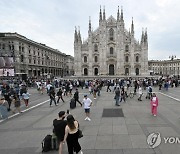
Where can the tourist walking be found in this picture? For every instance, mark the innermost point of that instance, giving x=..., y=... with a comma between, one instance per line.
x=154, y=104
x=76, y=97
x=140, y=93
x=26, y=98
x=59, y=128
x=52, y=96
x=17, y=104
x=117, y=96
x=71, y=135
x=122, y=95
x=3, y=108
x=87, y=105
x=59, y=94
x=108, y=86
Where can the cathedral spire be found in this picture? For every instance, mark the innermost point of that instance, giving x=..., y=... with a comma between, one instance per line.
x=75, y=35
x=89, y=24
x=118, y=14
x=145, y=36
x=79, y=34
x=100, y=15
x=122, y=13
x=132, y=27
x=104, y=14
x=142, y=36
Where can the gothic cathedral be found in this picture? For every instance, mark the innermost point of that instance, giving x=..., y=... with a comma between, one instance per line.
x=111, y=50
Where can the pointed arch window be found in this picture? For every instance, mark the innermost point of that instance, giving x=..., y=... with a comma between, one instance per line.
x=127, y=48
x=95, y=48
x=137, y=59
x=85, y=59
x=127, y=59
x=96, y=59
x=111, y=50
x=111, y=34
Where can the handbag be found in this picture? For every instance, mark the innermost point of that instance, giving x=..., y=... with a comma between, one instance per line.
x=80, y=134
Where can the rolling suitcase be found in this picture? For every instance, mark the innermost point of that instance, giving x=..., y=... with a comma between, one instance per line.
x=72, y=103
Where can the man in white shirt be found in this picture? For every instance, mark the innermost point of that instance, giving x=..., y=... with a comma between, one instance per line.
x=140, y=93
x=87, y=104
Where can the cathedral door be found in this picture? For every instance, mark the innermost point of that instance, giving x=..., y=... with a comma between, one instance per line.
x=111, y=69
x=137, y=71
x=85, y=71
x=126, y=71
x=96, y=71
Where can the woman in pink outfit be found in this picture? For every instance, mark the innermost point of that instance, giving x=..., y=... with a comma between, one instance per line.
x=154, y=104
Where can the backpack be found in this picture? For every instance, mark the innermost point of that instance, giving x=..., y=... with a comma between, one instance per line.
x=46, y=143
x=150, y=89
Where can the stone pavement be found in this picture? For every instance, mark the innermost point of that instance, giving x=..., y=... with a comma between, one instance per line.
x=111, y=135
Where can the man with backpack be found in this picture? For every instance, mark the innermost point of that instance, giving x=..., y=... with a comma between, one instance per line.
x=59, y=128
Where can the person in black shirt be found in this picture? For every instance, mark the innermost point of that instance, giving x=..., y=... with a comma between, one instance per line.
x=76, y=97
x=52, y=96
x=59, y=128
x=59, y=94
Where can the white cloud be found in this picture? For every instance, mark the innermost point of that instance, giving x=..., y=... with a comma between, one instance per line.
x=52, y=22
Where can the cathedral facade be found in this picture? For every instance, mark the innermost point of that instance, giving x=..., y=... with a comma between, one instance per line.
x=110, y=50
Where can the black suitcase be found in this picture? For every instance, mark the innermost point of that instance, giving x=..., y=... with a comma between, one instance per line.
x=72, y=103
x=54, y=142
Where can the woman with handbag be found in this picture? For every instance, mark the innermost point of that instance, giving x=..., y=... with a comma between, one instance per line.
x=72, y=135
x=154, y=104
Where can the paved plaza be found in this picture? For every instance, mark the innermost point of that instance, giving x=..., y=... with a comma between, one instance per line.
x=23, y=133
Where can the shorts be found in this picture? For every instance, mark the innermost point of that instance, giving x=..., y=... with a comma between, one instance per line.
x=87, y=110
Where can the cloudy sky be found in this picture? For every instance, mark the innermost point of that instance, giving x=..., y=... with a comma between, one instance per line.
x=52, y=22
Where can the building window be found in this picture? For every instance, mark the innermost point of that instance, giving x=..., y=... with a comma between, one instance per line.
x=85, y=59
x=96, y=59
x=85, y=71
x=111, y=50
x=137, y=59
x=22, y=58
x=127, y=48
x=29, y=60
x=111, y=34
x=95, y=48
x=127, y=58
x=34, y=61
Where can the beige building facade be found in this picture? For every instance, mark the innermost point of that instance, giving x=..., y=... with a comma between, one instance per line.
x=164, y=67
x=32, y=58
x=111, y=49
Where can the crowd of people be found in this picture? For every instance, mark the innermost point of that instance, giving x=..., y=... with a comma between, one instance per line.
x=16, y=92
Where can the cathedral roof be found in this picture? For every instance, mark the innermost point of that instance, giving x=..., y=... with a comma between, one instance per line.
x=111, y=19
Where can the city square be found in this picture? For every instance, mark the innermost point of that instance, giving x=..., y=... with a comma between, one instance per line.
x=24, y=132
x=89, y=77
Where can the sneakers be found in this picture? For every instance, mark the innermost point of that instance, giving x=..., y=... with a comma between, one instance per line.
x=154, y=115
x=87, y=118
